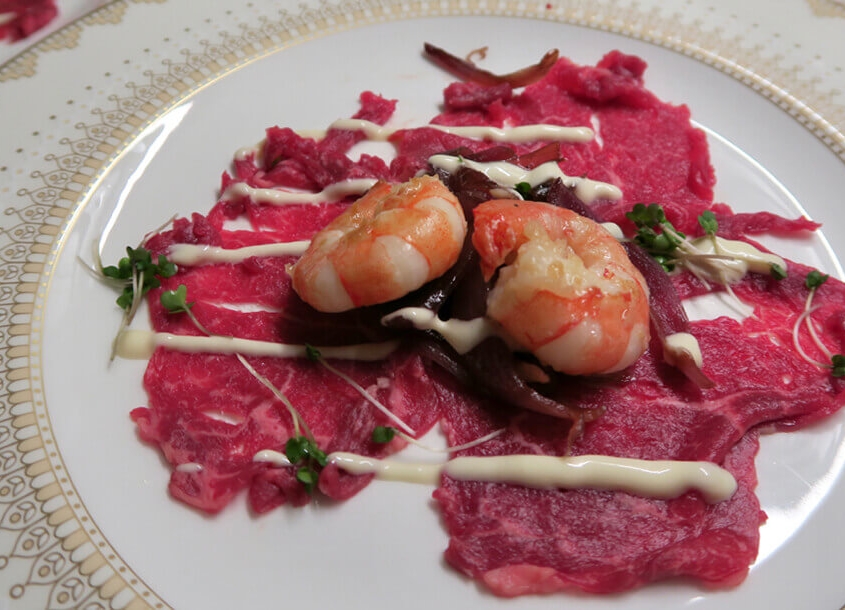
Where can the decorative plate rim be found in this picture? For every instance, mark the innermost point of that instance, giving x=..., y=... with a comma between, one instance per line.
x=41, y=504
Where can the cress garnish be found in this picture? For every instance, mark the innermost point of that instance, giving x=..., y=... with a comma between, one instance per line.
x=383, y=434
x=138, y=274
x=836, y=362
x=301, y=449
x=655, y=234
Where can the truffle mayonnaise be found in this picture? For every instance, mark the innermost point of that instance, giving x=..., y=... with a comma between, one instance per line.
x=677, y=345
x=140, y=345
x=271, y=196
x=463, y=335
x=509, y=175
x=660, y=479
x=727, y=261
x=516, y=135
x=191, y=254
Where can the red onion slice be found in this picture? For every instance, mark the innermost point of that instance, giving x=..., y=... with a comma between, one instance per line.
x=468, y=71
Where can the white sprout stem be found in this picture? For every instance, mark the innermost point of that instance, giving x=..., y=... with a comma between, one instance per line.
x=196, y=322
x=298, y=423
x=691, y=255
x=811, y=326
x=740, y=306
x=796, y=341
x=480, y=440
x=369, y=397
x=805, y=318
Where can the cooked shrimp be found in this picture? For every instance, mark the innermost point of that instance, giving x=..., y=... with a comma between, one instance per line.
x=389, y=242
x=566, y=290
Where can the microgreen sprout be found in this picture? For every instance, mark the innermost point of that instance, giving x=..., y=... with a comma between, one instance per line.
x=301, y=449
x=134, y=275
x=671, y=248
x=778, y=272
x=835, y=362
x=708, y=222
x=176, y=301
x=383, y=434
x=524, y=189
x=655, y=233
x=814, y=279
x=303, y=452
x=314, y=355
x=138, y=274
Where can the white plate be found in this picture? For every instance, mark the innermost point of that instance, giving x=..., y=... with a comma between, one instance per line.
x=144, y=134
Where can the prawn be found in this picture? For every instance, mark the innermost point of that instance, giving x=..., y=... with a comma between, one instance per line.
x=566, y=290
x=388, y=243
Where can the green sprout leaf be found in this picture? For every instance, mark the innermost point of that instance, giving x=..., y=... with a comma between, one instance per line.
x=815, y=279
x=139, y=274
x=837, y=363
x=524, y=189
x=303, y=451
x=296, y=449
x=383, y=434
x=708, y=222
x=312, y=353
x=308, y=477
x=778, y=272
x=655, y=233
x=175, y=301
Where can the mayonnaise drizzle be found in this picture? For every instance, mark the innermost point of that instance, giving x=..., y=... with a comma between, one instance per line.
x=270, y=196
x=660, y=479
x=518, y=134
x=140, y=344
x=676, y=345
x=727, y=261
x=463, y=335
x=509, y=175
x=192, y=254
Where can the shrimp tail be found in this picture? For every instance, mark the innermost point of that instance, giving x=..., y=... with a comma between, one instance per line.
x=667, y=313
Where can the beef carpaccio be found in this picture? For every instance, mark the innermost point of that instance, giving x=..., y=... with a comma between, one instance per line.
x=210, y=416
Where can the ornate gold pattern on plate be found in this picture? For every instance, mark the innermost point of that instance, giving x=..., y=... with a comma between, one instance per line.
x=23, y=65
x=828, y=8
x=44, y=524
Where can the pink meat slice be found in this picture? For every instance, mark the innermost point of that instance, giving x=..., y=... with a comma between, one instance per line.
x=518, y=541
x=209, y=416
x=207, y=410
x=28, y=16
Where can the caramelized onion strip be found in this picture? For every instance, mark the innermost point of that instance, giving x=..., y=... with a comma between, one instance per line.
x=667, y=313
x=468, y=71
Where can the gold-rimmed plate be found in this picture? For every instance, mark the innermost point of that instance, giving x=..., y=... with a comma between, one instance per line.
x=106, y=146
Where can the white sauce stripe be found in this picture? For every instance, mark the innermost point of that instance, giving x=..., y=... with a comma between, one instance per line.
x=660, y=479
x=140, y=344
x=726, y=261
x=190, y=254
x=334, y=192
x=275, y=458
x=509, y=175
x=463, y=335
x=516, y=135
